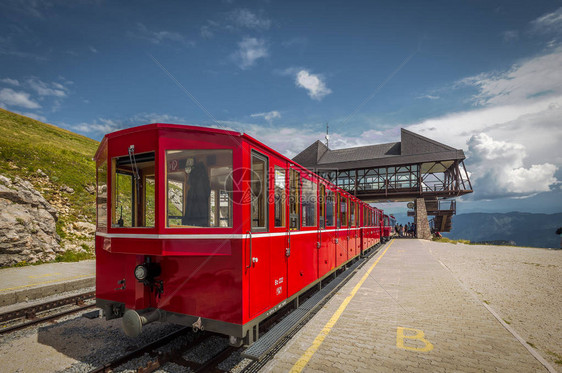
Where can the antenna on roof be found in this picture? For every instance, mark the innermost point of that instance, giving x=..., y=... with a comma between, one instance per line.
x=327, y=135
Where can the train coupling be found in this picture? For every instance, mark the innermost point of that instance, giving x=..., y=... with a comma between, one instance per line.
x=133, y=322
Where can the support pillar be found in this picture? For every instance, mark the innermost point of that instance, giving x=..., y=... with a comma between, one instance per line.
x=422, y=224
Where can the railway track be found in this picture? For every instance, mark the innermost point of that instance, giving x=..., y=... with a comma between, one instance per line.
x=29, y=315
x=176, y=355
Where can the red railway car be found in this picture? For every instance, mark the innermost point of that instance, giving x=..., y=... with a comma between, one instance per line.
x=388, y=224
x=212, y=229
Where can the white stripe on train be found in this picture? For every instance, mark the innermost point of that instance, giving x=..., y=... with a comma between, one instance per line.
x=215, y=236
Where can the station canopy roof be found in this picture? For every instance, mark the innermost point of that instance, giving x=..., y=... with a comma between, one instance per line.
x=412, y=149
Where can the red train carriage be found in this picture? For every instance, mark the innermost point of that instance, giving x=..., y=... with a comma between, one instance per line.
x=389, y=222
x=211, y=228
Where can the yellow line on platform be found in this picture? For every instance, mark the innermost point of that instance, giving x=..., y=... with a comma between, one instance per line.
x=45, y=275
x=305, y=358
x=46, y=282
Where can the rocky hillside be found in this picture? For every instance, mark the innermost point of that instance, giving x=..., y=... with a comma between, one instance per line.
x=47, y=192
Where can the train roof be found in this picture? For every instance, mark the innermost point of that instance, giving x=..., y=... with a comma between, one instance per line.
x=219, y=131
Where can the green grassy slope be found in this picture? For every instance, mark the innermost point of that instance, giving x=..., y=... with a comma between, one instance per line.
x=27, y=145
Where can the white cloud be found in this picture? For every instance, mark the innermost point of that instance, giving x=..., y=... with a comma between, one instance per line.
x=313, y=83
x=47, y=89
x=539, y=76
x=157, y=37
x=100, y=125
x=269, y=116
x=290, y=141
x=249, y=51
x=430, y=97
x=510, y=36
x=105, y=125
x=35, y=116
x=146, y=118
x=9, y=97
x=92, y=49
x=296, y=41
x=497, y=169
x=248, y=19
x=235, y=21
x=208, y=30
x=550, y=22
x=9, y=81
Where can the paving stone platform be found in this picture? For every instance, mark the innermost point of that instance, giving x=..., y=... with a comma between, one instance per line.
x=21, y=284
x=410, y=313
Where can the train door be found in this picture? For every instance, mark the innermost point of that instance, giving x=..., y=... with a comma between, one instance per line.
x=325, y=264
x=343, y=233
x=330, y=235
x=365, y=228
x=294, y=228
x=279, y=240
x=353, y=231
x=259, y=255
x=303, y=262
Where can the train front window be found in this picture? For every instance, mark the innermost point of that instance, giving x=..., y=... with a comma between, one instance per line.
x=133, y=191
x=199, y=188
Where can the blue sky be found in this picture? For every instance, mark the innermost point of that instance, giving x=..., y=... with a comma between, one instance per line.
x=483, y=76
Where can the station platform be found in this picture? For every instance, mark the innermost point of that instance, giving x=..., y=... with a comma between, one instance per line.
x=23, y=284
x=405, y=310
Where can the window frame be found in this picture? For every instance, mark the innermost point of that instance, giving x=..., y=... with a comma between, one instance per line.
x=265, y=193
x=164, y=165
x=136, y=198
x=285, y=205
x=334, y=208
x=315, y=203
x=297, y=200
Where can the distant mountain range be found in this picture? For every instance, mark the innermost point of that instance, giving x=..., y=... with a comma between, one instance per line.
x=525, y=229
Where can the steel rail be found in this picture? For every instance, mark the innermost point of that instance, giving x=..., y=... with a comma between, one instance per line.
x=141, y=351
x=44, y=319
x=29, y=312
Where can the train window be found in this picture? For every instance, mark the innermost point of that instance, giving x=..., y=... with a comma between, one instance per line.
x=101, y=198
x=199, y=188
x=309, y=197
x=357, y=215
x=259, y=190
x=133, y=191
x=294, y=184
x=322, y=204
x=330, y=209
x=280, y=197
x=343, y=211
x=337, y=212
x=352, y=213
